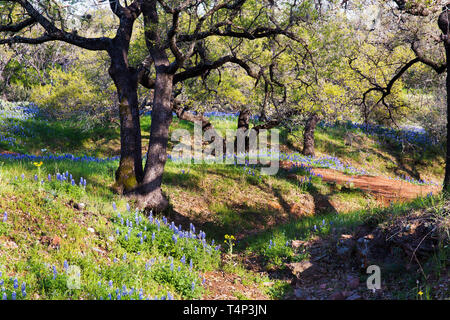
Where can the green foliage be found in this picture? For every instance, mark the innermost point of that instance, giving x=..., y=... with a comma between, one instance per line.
x=68, y=92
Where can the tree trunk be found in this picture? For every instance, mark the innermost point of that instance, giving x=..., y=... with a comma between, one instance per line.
x=444, y=25
x=446, y=186
x=149, y=194
x=308, y=136
x=243, y=124
x=129, y=173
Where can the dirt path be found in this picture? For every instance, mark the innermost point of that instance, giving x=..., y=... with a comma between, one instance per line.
x=381, y=187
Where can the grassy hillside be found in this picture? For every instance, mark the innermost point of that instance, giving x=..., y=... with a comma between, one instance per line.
x=62, y=213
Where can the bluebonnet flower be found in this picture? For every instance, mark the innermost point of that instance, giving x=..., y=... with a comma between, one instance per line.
x=183, y=259
x=193, y=286
x=55, y=273
x=114, y=206
x=16, y=283
x=66, y=265
x=174, y=238
x=13, y=295
x=171, y=266
x=124, y=256
x=5, y=217
x=5, y=297
x=128, y=207
x=110, y=283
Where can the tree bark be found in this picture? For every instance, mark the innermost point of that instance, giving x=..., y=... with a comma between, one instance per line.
x=444, y=25
x=243, y=125
x=129, y=173
x=446, y=185
x=149, y=193
x=308, y=136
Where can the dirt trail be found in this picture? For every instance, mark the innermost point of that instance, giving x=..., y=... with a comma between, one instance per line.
x=381, y=187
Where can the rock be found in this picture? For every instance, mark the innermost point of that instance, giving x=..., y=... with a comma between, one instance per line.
x=91, y=230
x=298, y=243
x=10, y=245
x=79, y=206
x=337, y=296
x=299, y=267
x=304, y=269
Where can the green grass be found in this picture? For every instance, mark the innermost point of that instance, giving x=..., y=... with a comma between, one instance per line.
x=37, y=211
x=219, y=199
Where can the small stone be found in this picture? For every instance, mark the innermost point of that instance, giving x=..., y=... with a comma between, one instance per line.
x=299, y=267
x=91, y=230
x=297, y=243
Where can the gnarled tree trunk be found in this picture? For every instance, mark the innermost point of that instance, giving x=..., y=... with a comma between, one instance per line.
x=149, y=193
x=308, y=136
x=129, y=173
x=444, y=25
